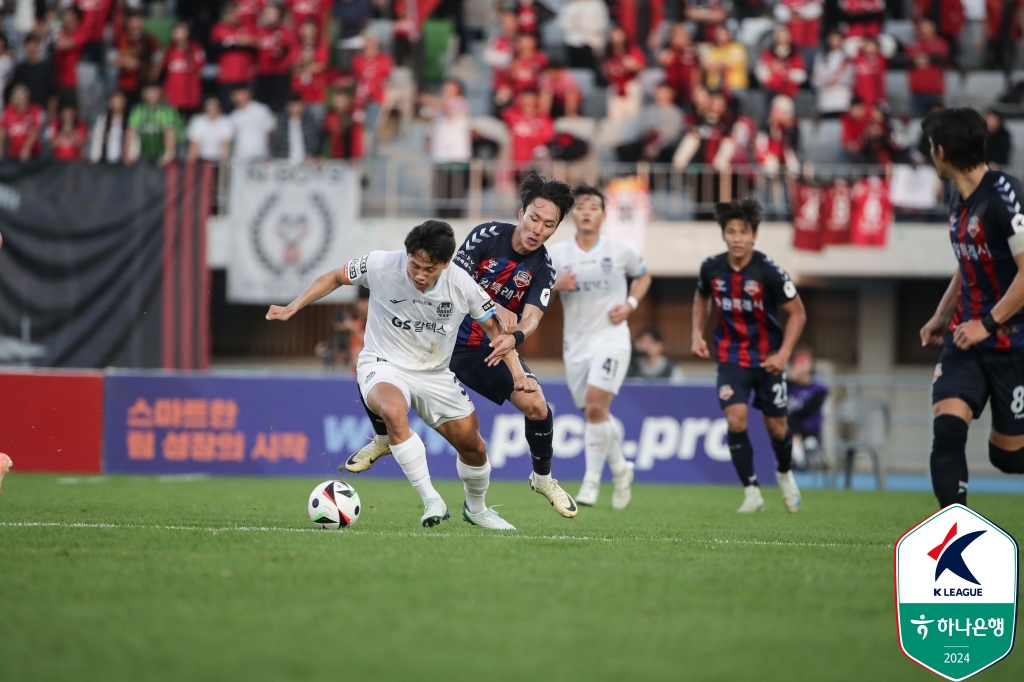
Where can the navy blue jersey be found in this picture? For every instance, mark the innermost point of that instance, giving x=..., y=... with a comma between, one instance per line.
x=984, y=228
x=511, y=279
x=746, y=301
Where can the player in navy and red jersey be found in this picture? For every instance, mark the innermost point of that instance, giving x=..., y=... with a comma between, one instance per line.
x=511, y=263
x=751, y=347
x=979, y=322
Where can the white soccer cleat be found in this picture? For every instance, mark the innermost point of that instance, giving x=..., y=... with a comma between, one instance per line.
x=5, y=466
x=488, y=518
x=752, y=500
x=587, y=496
x=434, y=512
x=790, y=493
x=623, y=491
x=559, y=499
x=362, y=461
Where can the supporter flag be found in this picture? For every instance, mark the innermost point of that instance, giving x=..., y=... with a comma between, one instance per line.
x=836, y=210
x=807, y=216
x=105, y=266
x=872, y=212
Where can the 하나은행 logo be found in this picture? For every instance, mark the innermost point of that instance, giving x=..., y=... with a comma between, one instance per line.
x=956, y=577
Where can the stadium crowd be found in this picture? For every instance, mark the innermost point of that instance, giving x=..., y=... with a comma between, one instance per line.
x=122, y=80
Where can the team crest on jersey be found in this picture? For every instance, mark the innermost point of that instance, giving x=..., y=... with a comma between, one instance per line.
x=720, y=284
x=751, y=287
x=444, y=309
x=606, y=264
x=973, y=226
x=725, y=392
x=523, y=279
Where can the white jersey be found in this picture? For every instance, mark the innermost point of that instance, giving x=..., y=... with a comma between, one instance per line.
x=600, y=285
x=409, y=328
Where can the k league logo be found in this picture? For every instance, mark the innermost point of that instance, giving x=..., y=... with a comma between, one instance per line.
x=956, y=592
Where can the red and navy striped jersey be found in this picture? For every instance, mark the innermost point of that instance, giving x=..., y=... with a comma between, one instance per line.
x=746, y=300
x=511, y=279
x=986, y=229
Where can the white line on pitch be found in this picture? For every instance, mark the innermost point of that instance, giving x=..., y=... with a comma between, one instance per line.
x=391, y=533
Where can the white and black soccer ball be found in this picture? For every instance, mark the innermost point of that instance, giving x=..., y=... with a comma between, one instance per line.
x=334, y=505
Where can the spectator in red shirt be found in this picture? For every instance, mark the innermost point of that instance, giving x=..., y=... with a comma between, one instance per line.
x=309, y=70
x=343, y=130
x=237, y=61
x=67, y=49
x=181, y=68
x=681, y=63
x=949, y=18
x=777, y=144
x=67, y=135
x=854, y=122
x=95, y=14
x=530, y=130
x=523, y=73
x=869, y=74
x=559, y=93
x=20, y=127
x=529, y=15
x=274, y=46
x=134, y=57
x=371, y=69
x=803, y=19
x=1004, y=21
x=302, y=11
x=501, y=49
x=640, y=19
x=249, y=12
x=930, y=56
x=781, y=69
x=623, y=62
x=863, y=17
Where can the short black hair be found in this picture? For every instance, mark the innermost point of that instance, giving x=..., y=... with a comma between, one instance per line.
x=584, y=189
x=434, y=237
x=748, y=210
x=651, y=331
x=961, y=133
x=538, y=187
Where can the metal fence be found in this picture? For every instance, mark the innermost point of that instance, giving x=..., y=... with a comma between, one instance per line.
x=403, y=188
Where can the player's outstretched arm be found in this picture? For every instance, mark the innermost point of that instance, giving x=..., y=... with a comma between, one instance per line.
x=521, y=381
x=698, y=346
x=323, y=285
x=776, y=362
x=932, y=331
x=973, y=332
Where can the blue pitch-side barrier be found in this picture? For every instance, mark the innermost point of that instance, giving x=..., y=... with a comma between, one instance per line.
x=165, y=423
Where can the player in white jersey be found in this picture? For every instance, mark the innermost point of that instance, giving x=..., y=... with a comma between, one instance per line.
x=591, y=279
x=417, y=303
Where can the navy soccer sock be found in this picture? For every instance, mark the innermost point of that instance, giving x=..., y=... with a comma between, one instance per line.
x=949, y=459
x=742, y=457
x=539, y=436
x=784, y=452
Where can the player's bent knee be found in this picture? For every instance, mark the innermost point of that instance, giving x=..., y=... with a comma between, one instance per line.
x=737, y=422
x=595, y=414
x=777, y=427
x=536, y=410
x=1007, y=461
x=473, y=452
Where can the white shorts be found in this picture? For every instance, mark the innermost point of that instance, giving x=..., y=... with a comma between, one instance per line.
x=603, y=369
x=437, y=396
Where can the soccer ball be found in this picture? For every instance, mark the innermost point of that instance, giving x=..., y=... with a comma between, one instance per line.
x=334, y=505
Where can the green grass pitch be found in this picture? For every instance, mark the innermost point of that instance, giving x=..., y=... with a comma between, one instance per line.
x=209, y=580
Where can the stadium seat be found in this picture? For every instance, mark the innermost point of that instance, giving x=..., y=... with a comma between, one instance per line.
x=436, y=34
x=980, y=89
x=753, y=31
x=649, y=79
x=552, y=41
x=898, y=90
x=819, y=141
x=595, y=99
x=900, y=29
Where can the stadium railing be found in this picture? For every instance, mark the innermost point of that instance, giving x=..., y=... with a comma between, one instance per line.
x=403, y=188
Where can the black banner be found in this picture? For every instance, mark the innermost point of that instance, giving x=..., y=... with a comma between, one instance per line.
x=91, y=267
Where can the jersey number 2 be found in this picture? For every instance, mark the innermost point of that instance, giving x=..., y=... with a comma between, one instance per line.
x=780, y=394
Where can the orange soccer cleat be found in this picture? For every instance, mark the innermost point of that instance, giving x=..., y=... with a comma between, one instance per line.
x=5, y=466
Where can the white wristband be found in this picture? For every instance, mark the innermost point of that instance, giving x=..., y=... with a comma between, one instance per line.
x=633, y=303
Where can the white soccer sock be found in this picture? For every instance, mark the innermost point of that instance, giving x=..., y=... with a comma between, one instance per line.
x=412, y=457
x=596, y=439
x=475, y=480
x=616, y=460
x=381, y=440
